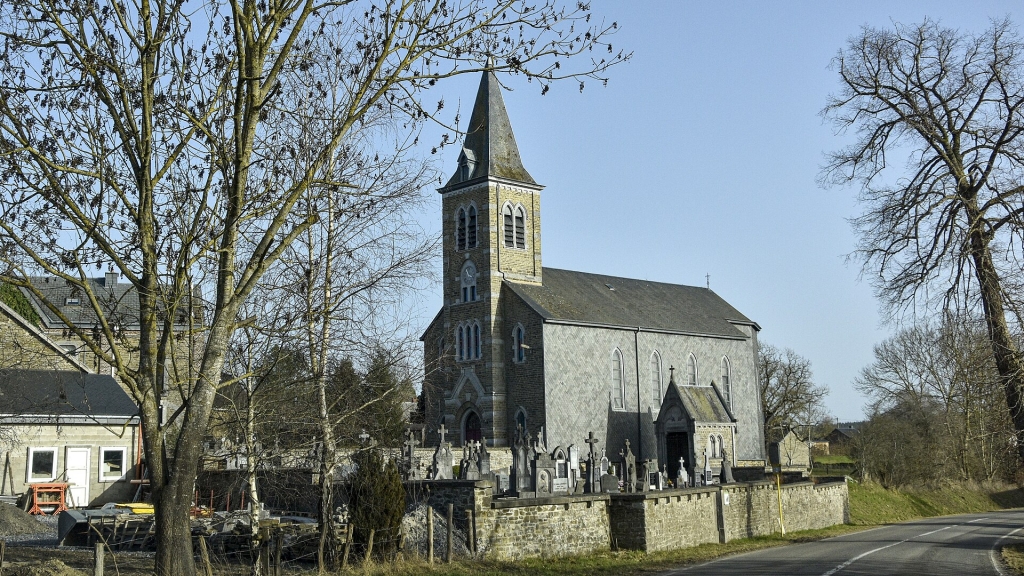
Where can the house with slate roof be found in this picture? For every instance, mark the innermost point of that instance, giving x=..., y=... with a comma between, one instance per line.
x=55, y=300
x=563, y=353
x=70, y=427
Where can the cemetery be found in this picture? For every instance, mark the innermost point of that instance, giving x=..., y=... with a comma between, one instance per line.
x=564, y=501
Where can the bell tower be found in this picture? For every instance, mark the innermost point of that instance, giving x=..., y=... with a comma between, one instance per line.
x=491, y=232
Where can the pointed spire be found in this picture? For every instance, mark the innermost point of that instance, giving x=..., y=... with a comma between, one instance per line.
x=490, y=147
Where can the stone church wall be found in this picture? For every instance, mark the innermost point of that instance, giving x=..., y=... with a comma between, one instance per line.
x=510, y=529
x=577, y=372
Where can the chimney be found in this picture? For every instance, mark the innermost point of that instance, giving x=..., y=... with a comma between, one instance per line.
x=110, y=279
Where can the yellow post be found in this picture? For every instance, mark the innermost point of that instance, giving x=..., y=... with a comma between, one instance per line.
x=778, y=486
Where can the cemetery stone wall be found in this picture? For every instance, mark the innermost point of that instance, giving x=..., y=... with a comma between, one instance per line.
x=664, y=520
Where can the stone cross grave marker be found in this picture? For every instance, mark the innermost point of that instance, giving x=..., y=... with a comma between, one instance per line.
x=628, y=468
x=442, y=465
x=412, y=463
x=593, y=465
x=682, y=478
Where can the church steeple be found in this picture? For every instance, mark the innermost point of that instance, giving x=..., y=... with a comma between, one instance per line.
x=489, y=150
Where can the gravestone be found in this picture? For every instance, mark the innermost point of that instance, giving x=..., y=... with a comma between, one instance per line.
x=410, y=462
x=628, y=468
x=575, y=477
x=663, y=478
x=652, y=477
x=605, y=466
x=560, y=482
x=726, y=468
x=610, y=483
x=521, y=481
x=593, y=465
x=682, y=478
x=442, y=465
x=501, y=481
x=484, y=459
x=544, y=475
x=469, y=466
x=708, y=475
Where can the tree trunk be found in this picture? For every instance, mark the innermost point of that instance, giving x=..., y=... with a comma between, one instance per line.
x=1007, y=357
x=174, y=556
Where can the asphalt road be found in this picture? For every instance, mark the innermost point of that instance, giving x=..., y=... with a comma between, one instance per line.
x=950, y=545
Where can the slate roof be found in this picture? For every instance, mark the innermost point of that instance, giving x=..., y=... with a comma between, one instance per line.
x=608, y=300
x=702, y=403
x=489, y=139
x=119, y=300
x=57, y=393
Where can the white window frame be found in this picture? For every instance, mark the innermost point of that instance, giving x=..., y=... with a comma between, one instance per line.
x=124, y=463
x=618, y=392
x=727, y=380
x=692, y=372
x=28, y=464
x=657, y=379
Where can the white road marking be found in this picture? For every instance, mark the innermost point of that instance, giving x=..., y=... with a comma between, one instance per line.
x=992, y=552
x=870, y=552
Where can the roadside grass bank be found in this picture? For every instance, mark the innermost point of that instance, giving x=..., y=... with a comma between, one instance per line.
x=1013, y=556
x=871, y=504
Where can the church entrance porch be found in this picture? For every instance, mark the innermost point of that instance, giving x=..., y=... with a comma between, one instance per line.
x=677, y=446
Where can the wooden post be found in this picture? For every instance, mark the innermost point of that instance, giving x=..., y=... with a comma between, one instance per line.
x=369, y=547
x=470, y=533
x=451, y=514
x=98, y=560
x=430, y=534
x=204, y=556
x=278, y=547
x=264, y=558
x=3, y=552
x=348, y=544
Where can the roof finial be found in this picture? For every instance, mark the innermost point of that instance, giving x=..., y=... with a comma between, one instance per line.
x=671, y=374
x=490, y=62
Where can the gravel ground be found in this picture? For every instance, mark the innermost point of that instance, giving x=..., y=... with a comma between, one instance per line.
x=415, y=526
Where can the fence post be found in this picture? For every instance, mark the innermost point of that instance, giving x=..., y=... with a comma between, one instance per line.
x=430, y=534
x=98, y=560
x=451, y=514
x=470, y=533
x=278, y=547
x=349, y=530
x=369, y=546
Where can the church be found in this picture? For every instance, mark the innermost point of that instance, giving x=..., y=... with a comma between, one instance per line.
x=670, y=368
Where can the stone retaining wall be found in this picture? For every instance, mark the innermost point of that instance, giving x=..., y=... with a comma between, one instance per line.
x=510, y=529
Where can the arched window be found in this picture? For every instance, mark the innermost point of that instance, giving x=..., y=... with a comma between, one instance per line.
x=471, y=428
x=727, y=381
x=468, y=280
x=521, y=418
x=714, y=447
x=691, y=376
x=460, y=236
x=476, y=342
x=518, y=349
x=506, y=214
x=460, y=340
x=656, y=393
x=618, y=390
x=520, y=228
x=471, y=231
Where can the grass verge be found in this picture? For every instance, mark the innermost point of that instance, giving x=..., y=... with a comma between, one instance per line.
x=1013, y=555
x=624, y=563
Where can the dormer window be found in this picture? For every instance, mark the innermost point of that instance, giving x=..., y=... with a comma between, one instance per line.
x=467, y=164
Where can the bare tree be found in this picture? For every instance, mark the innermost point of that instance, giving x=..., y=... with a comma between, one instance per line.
x=789, y=396
x=151, y=137
x=946, y=371
x=946, y=231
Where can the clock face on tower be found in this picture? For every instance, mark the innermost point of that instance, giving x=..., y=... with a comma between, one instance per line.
x=467, y=275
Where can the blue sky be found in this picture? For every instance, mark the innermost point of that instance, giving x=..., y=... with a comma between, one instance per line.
x=701, y=157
